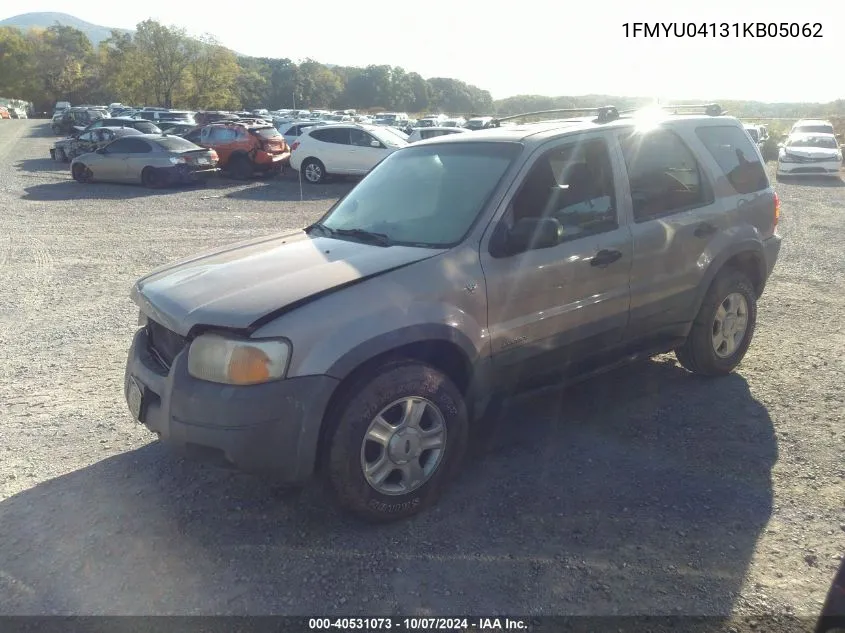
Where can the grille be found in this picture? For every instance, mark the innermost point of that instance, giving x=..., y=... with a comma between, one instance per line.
x=811, y=159
x=808, y=170
x=163, y=343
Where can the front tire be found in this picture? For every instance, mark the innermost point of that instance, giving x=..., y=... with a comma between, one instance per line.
x=724, y=327
x=396, y=441
x=81, y=173
x=61, y=156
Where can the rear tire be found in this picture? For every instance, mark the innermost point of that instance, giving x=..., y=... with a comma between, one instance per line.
x=150, y=178
x=715, y=345
x=313, y=171
x=401, y=458
x=240, y=168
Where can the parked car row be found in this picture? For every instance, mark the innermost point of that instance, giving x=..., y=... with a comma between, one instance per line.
x=137, y=150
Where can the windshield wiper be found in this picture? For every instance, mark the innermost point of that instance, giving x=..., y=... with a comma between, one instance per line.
x=371, y=237
x=380, y=239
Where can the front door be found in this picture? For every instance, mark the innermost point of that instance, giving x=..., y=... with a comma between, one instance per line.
x=553, y=307
x=364, y=155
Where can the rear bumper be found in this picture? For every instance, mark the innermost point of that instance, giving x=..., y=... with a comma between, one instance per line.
x=271, y=428
x=771, y=250
x=183, y=174
x=826, y=168
x=270, y=162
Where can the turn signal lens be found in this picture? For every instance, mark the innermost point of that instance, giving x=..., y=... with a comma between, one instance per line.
x=248, y=365
x=777, y=209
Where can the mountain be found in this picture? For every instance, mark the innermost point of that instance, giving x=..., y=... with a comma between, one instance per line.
x=95, y=32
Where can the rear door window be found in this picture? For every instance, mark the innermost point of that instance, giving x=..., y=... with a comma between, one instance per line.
x=736, y=155
x=663, y=174
x=339, y=136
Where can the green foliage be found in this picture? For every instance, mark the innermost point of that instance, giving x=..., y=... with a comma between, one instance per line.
x=160, y=65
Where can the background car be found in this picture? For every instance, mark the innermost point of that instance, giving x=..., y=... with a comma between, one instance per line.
x=69, y=148
x=142, y=125
x=810, y=155
x=454, y=122
x=343, y=149
x=158, y=116
x=292, y=129
x=245, y=148
x=153, y=160
x=423, y=133
x=176, y=127
x=4, y=113
x=812, y=126
x=478, y=123
x=76, y=119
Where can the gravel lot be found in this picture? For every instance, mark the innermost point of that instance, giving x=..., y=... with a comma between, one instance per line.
x=647, y=491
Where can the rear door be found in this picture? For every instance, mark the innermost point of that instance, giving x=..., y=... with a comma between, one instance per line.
x=333, y=149
x=675, y=216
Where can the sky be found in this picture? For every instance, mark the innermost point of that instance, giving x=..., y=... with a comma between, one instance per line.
x=509, y=48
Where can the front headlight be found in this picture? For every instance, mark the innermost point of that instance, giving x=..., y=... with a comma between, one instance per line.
x=237, y=361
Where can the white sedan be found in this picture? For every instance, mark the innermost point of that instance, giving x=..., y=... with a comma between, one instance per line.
x=810, y=155
x=423, y=133
x=343, y=149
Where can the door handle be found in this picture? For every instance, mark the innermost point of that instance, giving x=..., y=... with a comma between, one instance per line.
x=605, y=257
x=705, y=229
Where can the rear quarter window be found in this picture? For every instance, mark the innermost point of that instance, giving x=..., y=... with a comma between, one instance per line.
x=736, y=155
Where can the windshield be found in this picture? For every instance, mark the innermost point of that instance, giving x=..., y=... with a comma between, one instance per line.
x=752, y=132
x=810, y=129
x=391, y=136
x=266, y=132
x=146, y=127
x=175, y=144
x=827, y=142
x=420, y=196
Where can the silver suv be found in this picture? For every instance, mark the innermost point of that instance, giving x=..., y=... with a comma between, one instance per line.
x=367, y=345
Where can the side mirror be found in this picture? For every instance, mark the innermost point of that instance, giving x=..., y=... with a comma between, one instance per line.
x=375, y=144
x=102, y=150
x=526, y=235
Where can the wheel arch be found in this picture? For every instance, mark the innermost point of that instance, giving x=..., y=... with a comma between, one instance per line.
x=446, y=349
x=747, y=257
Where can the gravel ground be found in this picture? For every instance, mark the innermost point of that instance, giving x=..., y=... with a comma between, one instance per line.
x=647, y=491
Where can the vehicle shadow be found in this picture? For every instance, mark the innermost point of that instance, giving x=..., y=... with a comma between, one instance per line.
x=812, y=181
x=72, y=190
x=287, y=188
x=641, y=492
x=40, y=165
x=42, y=129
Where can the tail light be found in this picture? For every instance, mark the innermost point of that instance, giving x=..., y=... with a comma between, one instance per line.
x=294, y=146
x=777, y=210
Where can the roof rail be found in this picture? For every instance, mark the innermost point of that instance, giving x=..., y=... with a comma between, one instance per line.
x=604, y=114
x=710, y=109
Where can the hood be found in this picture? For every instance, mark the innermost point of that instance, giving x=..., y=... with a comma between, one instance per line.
x=236, y=286
x=811, y=152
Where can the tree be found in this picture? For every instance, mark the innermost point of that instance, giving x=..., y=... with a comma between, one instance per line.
x=15, y=63
x=169, y=52
x=212, y=74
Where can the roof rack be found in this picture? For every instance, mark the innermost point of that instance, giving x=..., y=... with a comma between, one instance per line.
x=710, y=109
x=604, y=114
